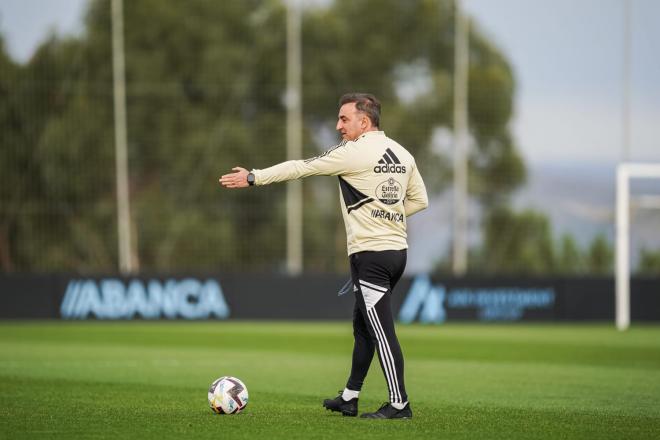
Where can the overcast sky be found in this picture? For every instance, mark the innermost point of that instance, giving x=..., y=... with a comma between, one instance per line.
x=568, y=59
x=567, y=56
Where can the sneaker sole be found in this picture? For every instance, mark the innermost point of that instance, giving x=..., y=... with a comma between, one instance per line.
x=343, y=412
x=387, y=418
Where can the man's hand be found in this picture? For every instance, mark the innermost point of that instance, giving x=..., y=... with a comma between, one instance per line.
x=237, y=179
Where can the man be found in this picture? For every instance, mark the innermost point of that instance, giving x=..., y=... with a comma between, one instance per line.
x=380, y=186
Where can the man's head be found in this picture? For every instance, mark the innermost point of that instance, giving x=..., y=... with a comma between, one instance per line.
x=358, y=113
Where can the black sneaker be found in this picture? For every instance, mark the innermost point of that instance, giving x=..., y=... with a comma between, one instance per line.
x=347, y=408
x=387, y=411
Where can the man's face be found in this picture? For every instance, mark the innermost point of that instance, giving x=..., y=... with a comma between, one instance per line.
x=351, y=123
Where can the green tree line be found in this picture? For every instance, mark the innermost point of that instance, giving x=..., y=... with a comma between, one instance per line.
x=205, y=92
x=522, y=243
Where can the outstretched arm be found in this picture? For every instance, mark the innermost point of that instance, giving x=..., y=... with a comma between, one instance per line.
x=237, y=179
x=330, y=163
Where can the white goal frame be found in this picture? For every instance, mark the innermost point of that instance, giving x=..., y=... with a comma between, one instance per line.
x=624, y=173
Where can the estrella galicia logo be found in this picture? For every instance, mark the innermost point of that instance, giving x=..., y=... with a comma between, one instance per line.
x=432, y=303
x=389, y=164
x=389, y=192
x=112, y=299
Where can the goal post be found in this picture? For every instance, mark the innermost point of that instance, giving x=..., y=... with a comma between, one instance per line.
x=625, y=172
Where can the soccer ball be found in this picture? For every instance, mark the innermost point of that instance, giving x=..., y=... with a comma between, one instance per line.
x=227, y=395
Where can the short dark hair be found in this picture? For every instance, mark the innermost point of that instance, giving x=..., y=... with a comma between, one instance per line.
x=364, y=102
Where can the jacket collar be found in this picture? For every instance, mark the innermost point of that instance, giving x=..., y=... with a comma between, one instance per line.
x=371, y=134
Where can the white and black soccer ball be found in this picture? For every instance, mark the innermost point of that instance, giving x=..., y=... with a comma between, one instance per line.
x=228, y=395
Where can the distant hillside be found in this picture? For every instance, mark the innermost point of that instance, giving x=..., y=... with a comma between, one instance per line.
x=579, y=199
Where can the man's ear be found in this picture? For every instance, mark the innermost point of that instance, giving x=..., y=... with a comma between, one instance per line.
x=365, y=123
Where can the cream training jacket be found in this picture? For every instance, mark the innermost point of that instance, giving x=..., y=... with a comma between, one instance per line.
x=380, y=186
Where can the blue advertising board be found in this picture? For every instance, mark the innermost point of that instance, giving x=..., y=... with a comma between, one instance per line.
x=421, y=298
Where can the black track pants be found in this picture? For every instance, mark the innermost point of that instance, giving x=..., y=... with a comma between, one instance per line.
x=374, y=276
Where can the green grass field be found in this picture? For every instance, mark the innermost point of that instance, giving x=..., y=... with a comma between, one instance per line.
x=149, y=380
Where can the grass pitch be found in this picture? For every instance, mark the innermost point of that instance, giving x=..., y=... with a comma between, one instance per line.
x=149, y=380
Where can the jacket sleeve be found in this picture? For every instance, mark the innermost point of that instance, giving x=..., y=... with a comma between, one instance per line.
x=331, y=163
x=416, y=198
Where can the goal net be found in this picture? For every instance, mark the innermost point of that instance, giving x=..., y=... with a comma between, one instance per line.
x=626, y=172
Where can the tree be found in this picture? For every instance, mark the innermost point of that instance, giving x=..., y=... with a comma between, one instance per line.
x=649, y=262
x=515, y=243
x=41, y=195
x=395, y=43
x=205, y=88
x=600, y=256
x=12, y=162
x=570, y=260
